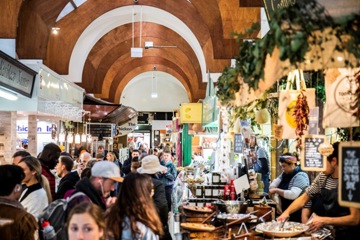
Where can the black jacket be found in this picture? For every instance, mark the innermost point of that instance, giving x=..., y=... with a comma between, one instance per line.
x=126, y=167
x=161, y=205
x=85, y=186
x=68, y=182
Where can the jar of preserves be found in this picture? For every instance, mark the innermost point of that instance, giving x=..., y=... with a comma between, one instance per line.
x=215, y=191
x=208, y=191
x=215, y=178
x=199, y=191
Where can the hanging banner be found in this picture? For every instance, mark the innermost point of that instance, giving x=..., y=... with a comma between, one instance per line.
x=190, y=113
x=127, y=127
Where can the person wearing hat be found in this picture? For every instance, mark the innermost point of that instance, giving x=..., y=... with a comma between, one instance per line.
x=97, y=187
x=291, y=183
x=151, y=165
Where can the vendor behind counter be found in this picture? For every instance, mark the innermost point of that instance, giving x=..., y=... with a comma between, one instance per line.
x=325, y=186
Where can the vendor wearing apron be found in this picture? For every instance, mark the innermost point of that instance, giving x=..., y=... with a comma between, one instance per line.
x=345, y=220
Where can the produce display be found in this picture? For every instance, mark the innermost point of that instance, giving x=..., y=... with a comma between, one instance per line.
x=289, y=229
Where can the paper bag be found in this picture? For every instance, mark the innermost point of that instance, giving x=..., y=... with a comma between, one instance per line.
x=340, y=88
x=287, y=103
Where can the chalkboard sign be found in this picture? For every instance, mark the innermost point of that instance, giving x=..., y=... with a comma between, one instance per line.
x=311, y=159
x=101, y=130
x=238, y=143
x=349, y=174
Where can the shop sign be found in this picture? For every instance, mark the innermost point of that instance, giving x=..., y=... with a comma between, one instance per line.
x=349, y=174
x=42, y=126
x=190, y=113
x=16, y=76
x=126, y=128
x=272, y=5
x=312, y=159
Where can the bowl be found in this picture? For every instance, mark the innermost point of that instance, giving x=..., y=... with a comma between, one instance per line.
x=290, y=229
x=231, y=206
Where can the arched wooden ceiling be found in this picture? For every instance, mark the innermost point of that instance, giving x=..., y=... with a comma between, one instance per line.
x=109, y=66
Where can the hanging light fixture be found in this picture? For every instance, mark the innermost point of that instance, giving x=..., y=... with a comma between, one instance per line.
x=154, y=93
x=83, y=137
x=70, y=137
x=77, y=138
x=62, y=137
x=77, y=135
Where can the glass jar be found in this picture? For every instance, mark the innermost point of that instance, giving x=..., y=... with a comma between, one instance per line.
x=215, y=178
x=215, y=192
x=208, y=191
x=199, y=191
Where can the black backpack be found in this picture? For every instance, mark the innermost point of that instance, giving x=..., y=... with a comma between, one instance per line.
x=56, y=214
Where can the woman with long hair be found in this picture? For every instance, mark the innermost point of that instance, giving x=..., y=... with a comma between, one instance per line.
x=134, y=215
x=33, y=197
x=86, y=222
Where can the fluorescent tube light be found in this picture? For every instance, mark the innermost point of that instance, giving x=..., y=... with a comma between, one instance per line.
x=4, y=93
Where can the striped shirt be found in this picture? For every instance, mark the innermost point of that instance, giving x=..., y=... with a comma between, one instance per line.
x=315, y=187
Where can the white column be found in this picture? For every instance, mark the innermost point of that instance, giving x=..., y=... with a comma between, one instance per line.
x=8, y=135
x=32, y=135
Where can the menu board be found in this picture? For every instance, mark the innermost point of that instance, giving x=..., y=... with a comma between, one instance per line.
x=311, y=159
x=238, y=143
x=349, y=174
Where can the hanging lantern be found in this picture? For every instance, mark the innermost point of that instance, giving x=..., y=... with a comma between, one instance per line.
x=83, y=137
x=70, y=138
x=77, y=138
x=89, y=138
x=62, y=137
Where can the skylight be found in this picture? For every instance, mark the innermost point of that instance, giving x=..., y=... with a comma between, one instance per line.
x=69, y=8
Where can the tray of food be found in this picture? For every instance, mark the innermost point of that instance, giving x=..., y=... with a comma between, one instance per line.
x=273, y=229
x=201, y=227
x=198, y=209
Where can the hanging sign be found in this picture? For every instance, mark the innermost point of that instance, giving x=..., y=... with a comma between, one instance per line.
x=349, y=174
x=238, y=143
x=312, y=159
x=272, y=5
x=190, y=113
x=126, y=128
x=16, y=76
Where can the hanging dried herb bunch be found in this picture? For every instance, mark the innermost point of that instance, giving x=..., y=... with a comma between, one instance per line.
x=301, y=114
x=356, y=105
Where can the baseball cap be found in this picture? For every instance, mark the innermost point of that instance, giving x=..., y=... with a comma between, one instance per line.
x=106, y=169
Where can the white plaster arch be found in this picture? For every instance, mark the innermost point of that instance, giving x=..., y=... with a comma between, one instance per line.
x=120, y=16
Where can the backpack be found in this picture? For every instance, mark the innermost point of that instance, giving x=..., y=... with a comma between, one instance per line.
x=56, y=214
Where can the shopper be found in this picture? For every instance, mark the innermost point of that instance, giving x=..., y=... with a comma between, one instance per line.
x=33, y=197
x=345, y=220
x=139, y=219
x=96, y=189
x=22, y=224
x=68, y=178
x=261, y=164
x=17, y=156
x=150, y=165
x=291, y=183
x=48, y=159
x=127, y=163
x=168, y=176
x=86, y=222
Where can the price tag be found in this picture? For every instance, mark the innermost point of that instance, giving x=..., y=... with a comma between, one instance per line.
x=349, y=174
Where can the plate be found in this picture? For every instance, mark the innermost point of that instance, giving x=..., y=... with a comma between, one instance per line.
x=197, y=227
x=198, y=209
x=290, y=229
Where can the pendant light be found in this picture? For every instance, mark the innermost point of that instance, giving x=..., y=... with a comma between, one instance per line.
x=62, y=137
x=70, y=138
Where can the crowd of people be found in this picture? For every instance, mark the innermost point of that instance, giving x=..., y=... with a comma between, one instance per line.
x=105, y=199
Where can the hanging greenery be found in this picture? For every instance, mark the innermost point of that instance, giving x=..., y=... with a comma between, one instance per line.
x=295, y=31
x=227, y=86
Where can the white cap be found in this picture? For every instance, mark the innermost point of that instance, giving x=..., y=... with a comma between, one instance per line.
x=106, y=169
